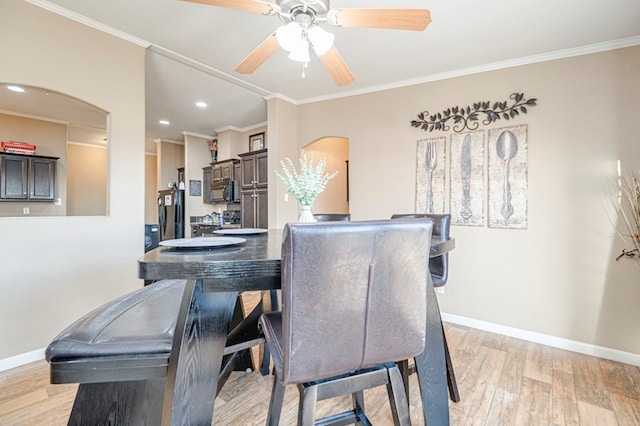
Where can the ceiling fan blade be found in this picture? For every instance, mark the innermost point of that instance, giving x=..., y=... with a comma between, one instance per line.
x=259, y=55
x=254, y=6
x=333, y=62
x=391, y=19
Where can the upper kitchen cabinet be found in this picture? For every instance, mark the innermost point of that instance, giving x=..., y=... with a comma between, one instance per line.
x=26, y=177
x=224, y=170
x=254, y=170
x=254, y=175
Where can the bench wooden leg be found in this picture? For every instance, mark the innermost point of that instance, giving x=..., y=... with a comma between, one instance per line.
x=196, y=355
x=119, y=403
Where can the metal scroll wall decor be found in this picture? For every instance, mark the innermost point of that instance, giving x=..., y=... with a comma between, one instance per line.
x=498, y=161
x=467, y=118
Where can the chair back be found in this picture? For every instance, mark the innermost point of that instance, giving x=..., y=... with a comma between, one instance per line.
x=332, y=217
x=438, y=266
x=354, y=295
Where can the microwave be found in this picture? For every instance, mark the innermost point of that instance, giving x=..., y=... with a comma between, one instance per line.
x=225, y=192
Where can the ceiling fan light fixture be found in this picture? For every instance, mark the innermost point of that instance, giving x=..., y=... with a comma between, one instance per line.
x=289, y=36
x=300, y=52
x=320, y=39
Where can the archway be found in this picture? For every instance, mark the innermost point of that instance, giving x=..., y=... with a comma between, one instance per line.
x=335, y=197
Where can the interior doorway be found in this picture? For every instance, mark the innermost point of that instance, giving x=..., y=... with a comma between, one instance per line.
x=335, y=197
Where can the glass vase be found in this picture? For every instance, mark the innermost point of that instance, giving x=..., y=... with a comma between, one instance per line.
x=306, y=215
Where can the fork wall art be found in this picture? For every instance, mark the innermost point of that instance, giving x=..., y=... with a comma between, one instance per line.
x=430, y=175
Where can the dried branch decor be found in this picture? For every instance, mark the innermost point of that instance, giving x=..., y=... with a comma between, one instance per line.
x=467, y=118
x=630, y=211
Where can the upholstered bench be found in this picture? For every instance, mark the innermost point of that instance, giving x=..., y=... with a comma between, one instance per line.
x=119, y=353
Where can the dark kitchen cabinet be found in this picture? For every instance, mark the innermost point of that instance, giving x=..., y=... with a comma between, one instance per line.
x=254, y=174
x=27, y=177
x=254, y=169
x=224, y=170
x=254, y=209
x=207, y=193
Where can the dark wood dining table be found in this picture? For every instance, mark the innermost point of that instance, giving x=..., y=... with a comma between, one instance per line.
x=201, y=342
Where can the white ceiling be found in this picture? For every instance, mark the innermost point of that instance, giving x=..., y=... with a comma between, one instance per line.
x=194, y=48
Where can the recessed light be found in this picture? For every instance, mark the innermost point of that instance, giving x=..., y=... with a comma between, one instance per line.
x=164, y=122
x=201, y=104
x=17, y=89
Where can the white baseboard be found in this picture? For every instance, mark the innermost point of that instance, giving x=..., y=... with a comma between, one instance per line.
x=545, y=339
x=22, y=359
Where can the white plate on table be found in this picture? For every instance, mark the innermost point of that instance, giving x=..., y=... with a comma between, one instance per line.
x=202, y=242
x=241, y=231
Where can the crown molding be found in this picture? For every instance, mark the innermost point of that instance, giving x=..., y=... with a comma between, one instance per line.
x=168, y=141
x=35, y=117
x=282, y=97
x=526, y=60
x=198, y=135
x=207, y=69
x=58, y=10
x=241, y=129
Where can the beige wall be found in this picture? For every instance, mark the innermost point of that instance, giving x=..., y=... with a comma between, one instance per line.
x=56, y=269
x=150, y=188
x=170, y=159
x=232, y=142
x=558, y=277
x=87, y=180
x=197, y=156
x=283, y=141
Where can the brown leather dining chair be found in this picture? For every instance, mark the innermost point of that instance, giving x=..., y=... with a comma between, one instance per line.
x=332, y=217
x=354, y=303
x=439, y=270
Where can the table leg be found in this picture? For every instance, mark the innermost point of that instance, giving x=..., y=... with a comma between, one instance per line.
x=196, y=355
x=431, y=366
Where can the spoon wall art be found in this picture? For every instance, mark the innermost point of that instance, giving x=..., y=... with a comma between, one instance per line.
x=508, y=177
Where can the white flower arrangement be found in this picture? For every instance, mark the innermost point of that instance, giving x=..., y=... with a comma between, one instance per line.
x=307, y=183
x=630, y=210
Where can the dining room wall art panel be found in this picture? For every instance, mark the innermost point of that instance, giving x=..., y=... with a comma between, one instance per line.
x=466, y=155
x=431, y=168
x=507, y=168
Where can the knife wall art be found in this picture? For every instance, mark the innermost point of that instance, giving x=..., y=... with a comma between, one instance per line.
x=467, y=179
x=431, y=168
x=507, y=168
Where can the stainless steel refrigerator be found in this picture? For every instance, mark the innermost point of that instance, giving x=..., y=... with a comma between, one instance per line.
x=171, y=213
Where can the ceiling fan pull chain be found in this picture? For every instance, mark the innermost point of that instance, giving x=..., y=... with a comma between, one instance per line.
x=304, y=68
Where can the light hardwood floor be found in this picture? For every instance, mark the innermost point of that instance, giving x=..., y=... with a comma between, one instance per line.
x=502, y=381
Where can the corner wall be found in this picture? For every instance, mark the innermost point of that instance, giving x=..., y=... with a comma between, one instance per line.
x=559, y=276
x=55, y=270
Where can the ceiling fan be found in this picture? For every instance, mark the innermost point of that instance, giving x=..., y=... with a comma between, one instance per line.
x=302, y=30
